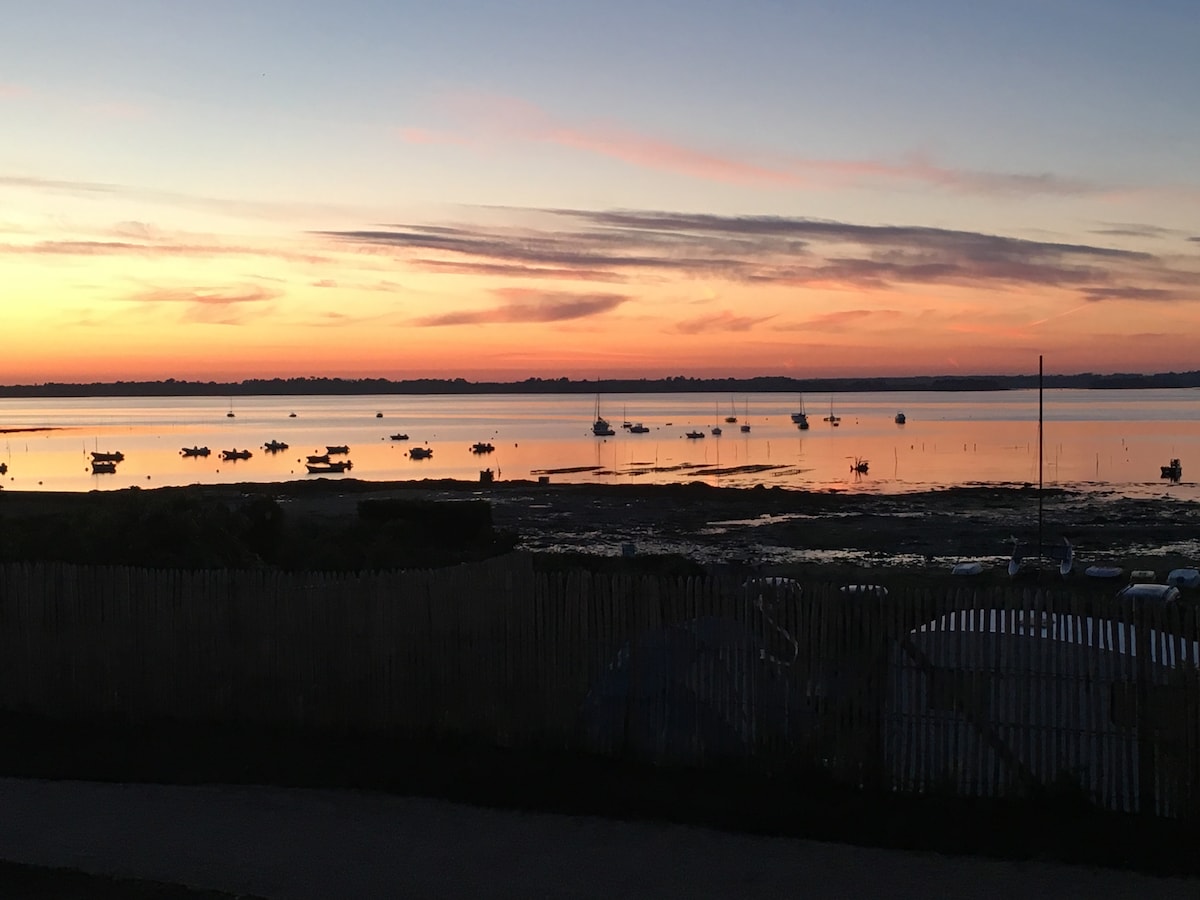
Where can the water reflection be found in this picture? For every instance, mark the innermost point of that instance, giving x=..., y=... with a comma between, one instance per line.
x=1094, y=440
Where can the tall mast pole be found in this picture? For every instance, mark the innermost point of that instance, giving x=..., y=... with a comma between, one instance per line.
x=1040, y=456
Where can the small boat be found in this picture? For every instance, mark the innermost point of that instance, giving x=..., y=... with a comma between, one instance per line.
x=420, y=453
x=319, y=458
x=236, y=454
x=3, y=468
x=801, y=418
x=1103, y=571
x=229, y=415
x=1188, y=578
x=1065, y=555
x=695, y=434
x=638, y=428
x=291, y=415
x=1174, y=471
x=732, y=417
x=482, y=447
x=379, y=415
x=398, y=437
x=103, y=467
x=745, y=428
x=716, y=431
x=601, y=427
x=860, y=466
x=337, y=449
x=114, y=457
x=901, y=418
x=329, y=468
x=195, y=451
x=274, y=446
x=831, y=418
x=967, y=568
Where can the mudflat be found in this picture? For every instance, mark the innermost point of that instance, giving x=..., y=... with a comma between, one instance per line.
x=771, y=528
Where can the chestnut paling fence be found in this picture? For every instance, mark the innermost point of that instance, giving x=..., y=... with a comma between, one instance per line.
x=964, y=692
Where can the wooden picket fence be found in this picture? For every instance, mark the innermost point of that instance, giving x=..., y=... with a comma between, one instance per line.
x=964, y=692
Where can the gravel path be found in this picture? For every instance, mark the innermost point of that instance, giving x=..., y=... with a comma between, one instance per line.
x=287, y=843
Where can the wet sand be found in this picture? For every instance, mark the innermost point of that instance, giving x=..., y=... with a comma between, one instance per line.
x=789, y=529
x=773, y=528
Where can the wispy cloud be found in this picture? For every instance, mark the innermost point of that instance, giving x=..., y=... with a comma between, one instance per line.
x=1099, y=294
x=1137, y=230
x=246, y=209
x=843, y=321
x=142, y=239
x=211, y=305
x=722, y=322
x=529, y=306
x=625, y=245
x=483, y=120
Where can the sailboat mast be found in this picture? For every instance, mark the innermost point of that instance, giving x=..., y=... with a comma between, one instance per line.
x=1039, y=457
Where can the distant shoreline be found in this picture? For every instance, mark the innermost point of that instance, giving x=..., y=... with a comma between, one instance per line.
x=285, y=387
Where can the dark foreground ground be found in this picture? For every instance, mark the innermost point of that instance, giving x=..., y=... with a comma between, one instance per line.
x=827, y=536
x=300, y=844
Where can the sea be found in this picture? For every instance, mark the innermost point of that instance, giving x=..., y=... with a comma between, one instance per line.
x=1113, y=441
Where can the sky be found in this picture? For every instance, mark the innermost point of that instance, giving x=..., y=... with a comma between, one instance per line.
x=498, y=191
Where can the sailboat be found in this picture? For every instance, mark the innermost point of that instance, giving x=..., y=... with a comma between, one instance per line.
x=716, y=429
x=801, y=417
x=600, y=427
x=746, y=424
x=229, y=415
x=732, y=417
x=831, y=418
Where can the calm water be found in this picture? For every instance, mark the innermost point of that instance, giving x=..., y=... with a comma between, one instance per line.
x=1094, y=440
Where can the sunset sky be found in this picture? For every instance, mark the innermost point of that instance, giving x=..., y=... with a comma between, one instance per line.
x=225, y=190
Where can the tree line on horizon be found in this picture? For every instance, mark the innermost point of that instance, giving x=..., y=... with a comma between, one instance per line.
x=676, y=383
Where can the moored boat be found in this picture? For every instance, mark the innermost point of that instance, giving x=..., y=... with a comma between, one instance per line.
x=235, y=454
x=103, y=467
x=638, y=428
x=420, y=453
x=318, y=458
x=800, y=418
x=337, y=449
x=342, y=465
x=601, y=427
x=274, y=446
x=482, y=447
x=195, y=451
x=115, y=456
x=901, y=418
x=1174, y=471
x=695, y=434
x=398, y=437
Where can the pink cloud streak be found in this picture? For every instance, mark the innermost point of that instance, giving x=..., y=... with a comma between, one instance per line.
x=482, y=119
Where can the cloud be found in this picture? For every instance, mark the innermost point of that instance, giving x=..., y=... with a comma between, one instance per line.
x=207, y=296
x=324, y=283
x=150, y=243
x=246, y=209
x=482, y=120
x=639, y=245
x=522, y=306
x=1118, y=229
x=209, y=305
x=723, y=322
x=1098, y=294
x=842, y=321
